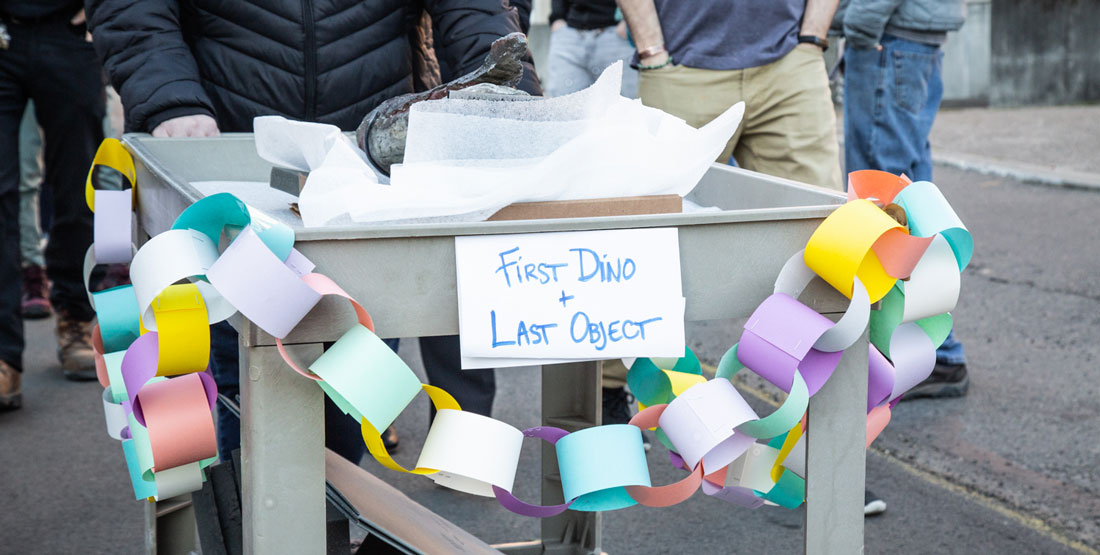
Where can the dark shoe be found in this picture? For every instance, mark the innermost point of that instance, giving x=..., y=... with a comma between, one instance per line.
x=947, y=380
x=616, y=405
x=11, y=393
x=872, y=505
x=616, y=409
x=390, y=440
x=35, y=303
x=74, y=348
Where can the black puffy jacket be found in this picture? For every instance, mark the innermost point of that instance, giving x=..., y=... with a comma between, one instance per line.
x=329, y=61
x=40, y=9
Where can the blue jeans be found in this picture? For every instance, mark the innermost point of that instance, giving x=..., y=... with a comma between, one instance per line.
x=30, y=183
x=891, y=97
x=577, y=57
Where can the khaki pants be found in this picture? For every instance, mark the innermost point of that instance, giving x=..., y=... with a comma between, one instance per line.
x=614, y=373
x=789, y=128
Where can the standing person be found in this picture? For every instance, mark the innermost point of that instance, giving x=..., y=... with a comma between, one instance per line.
x=36, y=303
x=44, y=57
x=696, y=59
x=585, y=38
x=194, y=68
x=892, y=91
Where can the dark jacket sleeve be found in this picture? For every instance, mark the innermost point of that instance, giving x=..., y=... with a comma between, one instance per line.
x=559, y=9
x=864, y=21
x=465, y=29
x=147, y=60
x=523, y=8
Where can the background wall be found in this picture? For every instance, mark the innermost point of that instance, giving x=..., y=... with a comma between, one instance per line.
x=966, y=76
x=1045, y=52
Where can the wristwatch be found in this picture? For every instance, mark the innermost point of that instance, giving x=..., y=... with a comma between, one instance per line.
x=814, y=39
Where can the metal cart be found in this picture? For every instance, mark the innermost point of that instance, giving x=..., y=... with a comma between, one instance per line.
x=729, y=261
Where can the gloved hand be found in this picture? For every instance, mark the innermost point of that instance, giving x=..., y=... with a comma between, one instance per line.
x=383, y=131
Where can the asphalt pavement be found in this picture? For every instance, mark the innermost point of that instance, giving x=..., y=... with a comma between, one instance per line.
x=1010, y=468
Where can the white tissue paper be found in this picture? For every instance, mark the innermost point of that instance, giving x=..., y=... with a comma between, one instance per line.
x=297, y=145
x=465, y=158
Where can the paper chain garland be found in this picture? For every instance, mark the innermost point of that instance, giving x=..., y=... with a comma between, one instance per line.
x=153, y=345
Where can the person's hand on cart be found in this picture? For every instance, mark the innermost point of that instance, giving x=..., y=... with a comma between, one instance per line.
x=199, y=125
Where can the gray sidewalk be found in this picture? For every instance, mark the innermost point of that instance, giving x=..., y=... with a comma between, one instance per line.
x=1051, y=145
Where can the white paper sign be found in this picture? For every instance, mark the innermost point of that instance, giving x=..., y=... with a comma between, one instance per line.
x=549, y=297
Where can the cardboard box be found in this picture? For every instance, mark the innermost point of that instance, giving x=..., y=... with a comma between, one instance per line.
x=292, y=181
x=590, y=208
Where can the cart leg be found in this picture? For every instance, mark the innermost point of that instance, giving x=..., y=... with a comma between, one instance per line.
x=282, y=453
x=572, y=400
x=170, y=526
x=836, y=458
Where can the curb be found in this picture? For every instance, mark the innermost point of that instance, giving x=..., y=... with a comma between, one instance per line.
x=1028, y=173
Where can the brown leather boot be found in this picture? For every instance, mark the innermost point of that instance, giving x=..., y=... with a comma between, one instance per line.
x=11, y=380
x=74, y=348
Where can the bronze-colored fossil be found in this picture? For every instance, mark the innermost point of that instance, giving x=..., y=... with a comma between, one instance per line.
x=383, y=131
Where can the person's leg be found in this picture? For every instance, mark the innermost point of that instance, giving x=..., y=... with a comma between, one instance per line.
x=864, y=72
x=614, y=373
x=225, y=365
x=343, y=434
x=566, y=67
x=890, y=133
x=903, y=86
x=67, y=89
x=68, y=94
x=13, y=100
x=473, y=389
x=951, y=352
x=887, y=106
x=35, y=291
x=45, y=210
x=610, y=48
x=790, y=123
x=30, y=180
x=617, y=403
x=696, y=96
x=922, y=170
